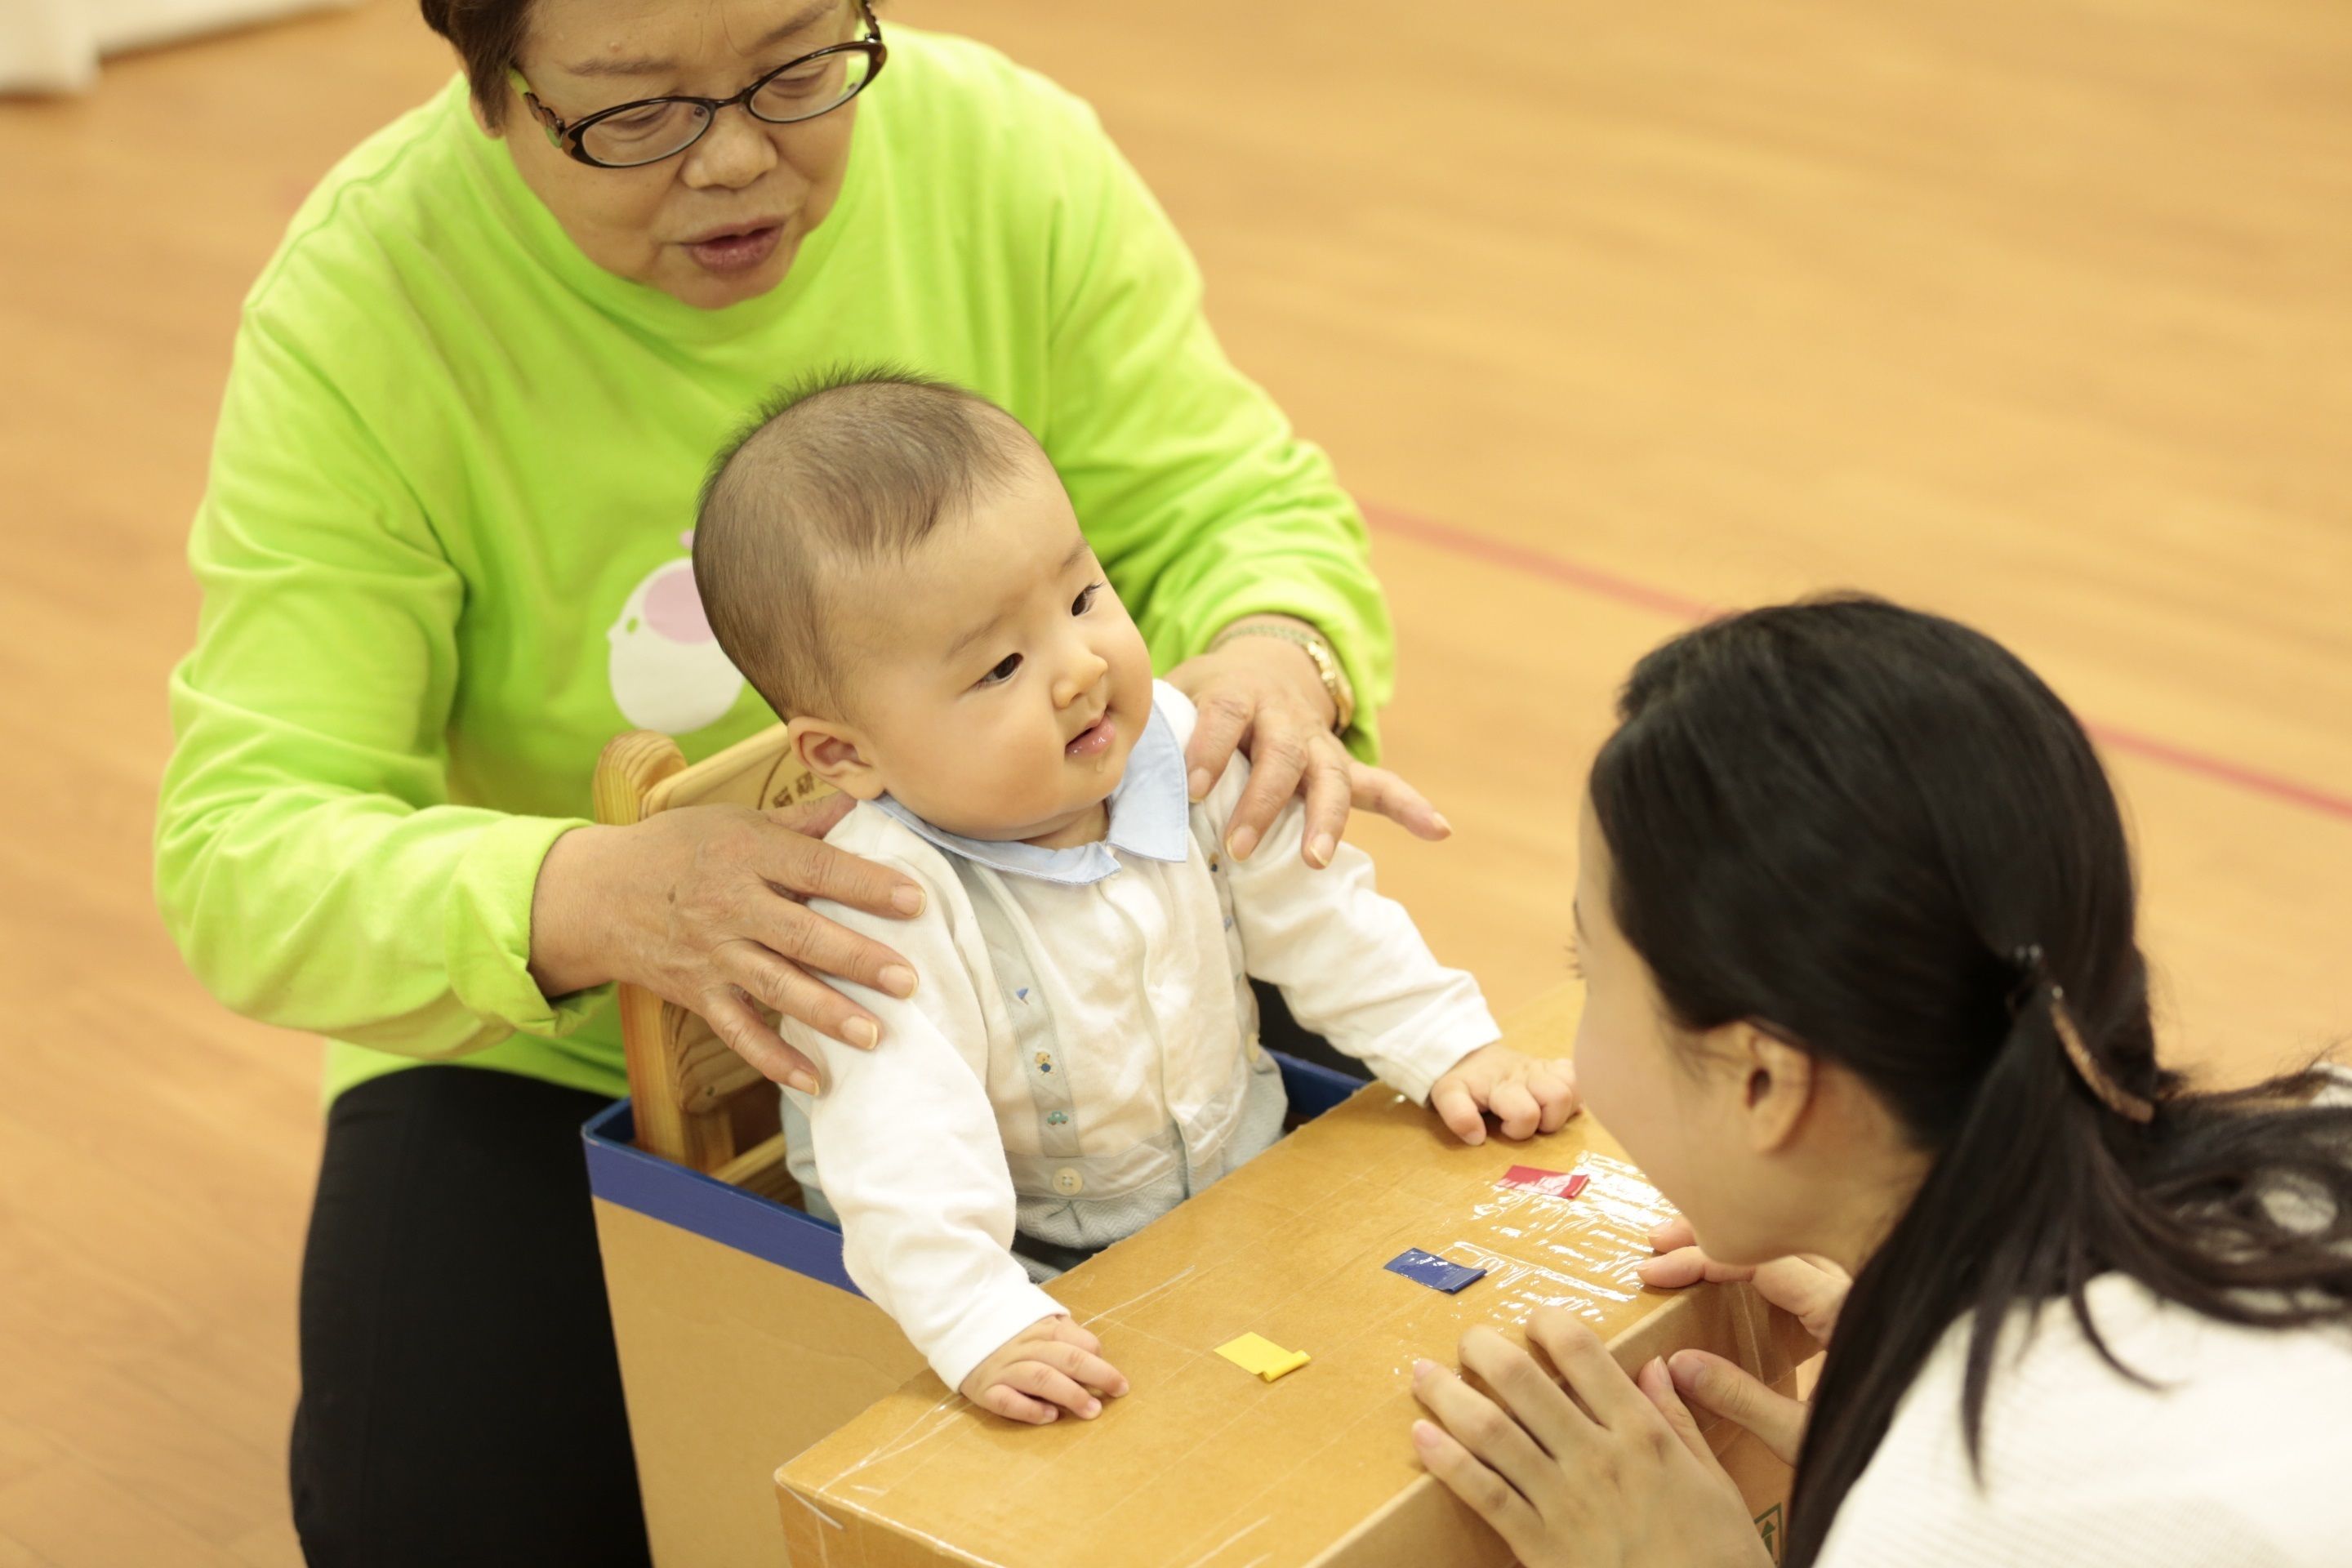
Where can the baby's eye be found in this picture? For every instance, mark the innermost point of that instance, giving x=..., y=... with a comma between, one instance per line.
x=1085, y=599
x=1002, y=671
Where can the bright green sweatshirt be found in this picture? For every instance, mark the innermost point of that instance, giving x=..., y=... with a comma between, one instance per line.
x=443, y=551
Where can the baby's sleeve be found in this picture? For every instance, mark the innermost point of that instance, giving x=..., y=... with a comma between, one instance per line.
x=909, y=1154
x=1350, y=962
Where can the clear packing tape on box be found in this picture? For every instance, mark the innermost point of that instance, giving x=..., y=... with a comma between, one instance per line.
x=1317, y=1466
x=1579, y=1252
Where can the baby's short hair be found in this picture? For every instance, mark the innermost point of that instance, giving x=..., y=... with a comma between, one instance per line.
x=848, y=468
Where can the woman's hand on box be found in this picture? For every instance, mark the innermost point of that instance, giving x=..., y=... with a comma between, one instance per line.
x=1814, y=1289
x=1050, y=1366
x=706, y=907
x=1528, y=1094
x=1608, y=1472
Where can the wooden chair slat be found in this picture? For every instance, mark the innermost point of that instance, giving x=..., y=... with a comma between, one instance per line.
x=687, y=1087
x=707, y=1072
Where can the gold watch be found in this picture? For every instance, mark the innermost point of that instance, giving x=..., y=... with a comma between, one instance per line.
x=1327, y=663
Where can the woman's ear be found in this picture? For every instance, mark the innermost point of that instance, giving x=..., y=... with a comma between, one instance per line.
x=1777, y=1087
x=837, y=754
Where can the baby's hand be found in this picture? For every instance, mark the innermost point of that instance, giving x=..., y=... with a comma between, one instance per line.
x=1046, y=1368
x=1528, y=1094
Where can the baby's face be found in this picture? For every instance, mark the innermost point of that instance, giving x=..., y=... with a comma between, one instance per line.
x=997, y=683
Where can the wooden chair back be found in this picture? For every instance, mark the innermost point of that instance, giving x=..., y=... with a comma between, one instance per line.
x=696, y=1102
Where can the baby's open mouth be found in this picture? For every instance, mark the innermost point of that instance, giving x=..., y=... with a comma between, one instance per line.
x=1092, y=740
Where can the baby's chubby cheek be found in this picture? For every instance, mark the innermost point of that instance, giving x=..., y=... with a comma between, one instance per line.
x=1017, y=796
x=986, y=789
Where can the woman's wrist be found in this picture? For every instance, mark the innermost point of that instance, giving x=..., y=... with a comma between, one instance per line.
x=570, y=947
x=1273, y=632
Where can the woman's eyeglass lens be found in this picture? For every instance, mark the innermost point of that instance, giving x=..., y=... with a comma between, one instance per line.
x=648, y=133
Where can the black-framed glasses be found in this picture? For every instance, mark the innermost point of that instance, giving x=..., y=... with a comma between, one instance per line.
x=631, y=135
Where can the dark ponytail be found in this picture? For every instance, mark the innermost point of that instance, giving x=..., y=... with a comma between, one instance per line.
x=1877, y=834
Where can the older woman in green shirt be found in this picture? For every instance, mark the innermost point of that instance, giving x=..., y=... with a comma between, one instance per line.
x=443, y=560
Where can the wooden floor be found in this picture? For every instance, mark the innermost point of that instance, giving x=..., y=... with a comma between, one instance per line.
x=2036, y=312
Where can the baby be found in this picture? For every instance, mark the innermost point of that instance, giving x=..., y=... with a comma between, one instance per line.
x=895, y=565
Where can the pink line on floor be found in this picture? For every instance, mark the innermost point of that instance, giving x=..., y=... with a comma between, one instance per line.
x=1643, y=596
x=2221, y=770
x=1537, y=563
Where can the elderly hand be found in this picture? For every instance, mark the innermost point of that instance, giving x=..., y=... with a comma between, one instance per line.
x=1606, y=1473
x=1263, y=696
x=1811, y=1287
x=704, y=907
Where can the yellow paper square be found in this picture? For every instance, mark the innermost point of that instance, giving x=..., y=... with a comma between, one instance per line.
x=1255, y=1353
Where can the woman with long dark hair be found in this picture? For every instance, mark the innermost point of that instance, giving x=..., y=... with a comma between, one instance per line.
x=1856, y=911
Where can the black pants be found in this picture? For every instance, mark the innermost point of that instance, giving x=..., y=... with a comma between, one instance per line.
x=461, y=1401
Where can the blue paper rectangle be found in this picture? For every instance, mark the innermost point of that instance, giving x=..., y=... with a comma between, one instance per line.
x=1433, y=1270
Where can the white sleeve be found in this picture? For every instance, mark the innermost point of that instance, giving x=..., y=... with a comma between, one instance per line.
x=1351, y=964
x=909, y=1154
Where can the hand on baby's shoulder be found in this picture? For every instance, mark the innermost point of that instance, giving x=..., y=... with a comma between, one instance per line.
x=1050, y=1366
x=1528, y=1094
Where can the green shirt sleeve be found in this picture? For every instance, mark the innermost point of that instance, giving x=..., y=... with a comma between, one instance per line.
x=1203, y=504
x=309, y=860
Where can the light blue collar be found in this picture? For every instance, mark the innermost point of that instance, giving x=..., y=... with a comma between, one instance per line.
x=1151, y=816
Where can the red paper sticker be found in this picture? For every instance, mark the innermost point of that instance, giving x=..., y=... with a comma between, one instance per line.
x=1552, y=1184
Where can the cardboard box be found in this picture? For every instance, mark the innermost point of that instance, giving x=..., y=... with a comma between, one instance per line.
x=1204, y=1466
x=741, y=1340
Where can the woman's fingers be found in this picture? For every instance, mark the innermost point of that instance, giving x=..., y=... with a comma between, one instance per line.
x=1504, y=1510
x=1284, y=728
x=1528, y=1393
x=719, y=911
x=1385, y=794
x=1278, y=758
x=733, y=1018
x=814, y=818
x=1812, y=1288
x=1327, y=798
x=1671, y=1235
x=1495, y=1440
x=808, y=938
x=1591, y=1372
x=1713, y=1384
x=1220, y=721
x=1657, y=1381
x=1688, y=1266
x=796, y=994
x=811, y=868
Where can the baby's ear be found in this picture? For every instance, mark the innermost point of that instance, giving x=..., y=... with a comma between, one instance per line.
x=837, y=754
